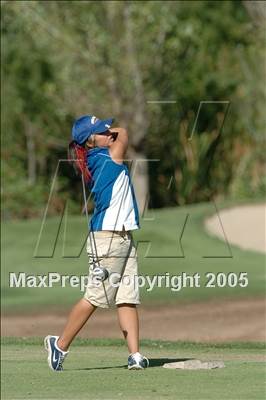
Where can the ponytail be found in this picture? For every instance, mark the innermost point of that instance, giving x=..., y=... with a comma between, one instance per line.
x=77, y=155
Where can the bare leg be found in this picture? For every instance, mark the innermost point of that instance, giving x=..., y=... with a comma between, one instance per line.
x=78, y=316
x=129, y=324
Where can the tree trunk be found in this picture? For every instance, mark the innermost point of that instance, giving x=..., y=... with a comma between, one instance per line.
x=257, y=11
x=112, y=80
x=138, y=121
x=31, y=152
x=139, y=176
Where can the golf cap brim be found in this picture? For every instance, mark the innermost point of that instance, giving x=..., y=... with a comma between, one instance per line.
x=102, y=126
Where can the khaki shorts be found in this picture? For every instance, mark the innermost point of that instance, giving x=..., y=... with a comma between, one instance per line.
x=117, y=253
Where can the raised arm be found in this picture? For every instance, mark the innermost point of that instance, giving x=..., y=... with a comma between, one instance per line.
x=119, y=147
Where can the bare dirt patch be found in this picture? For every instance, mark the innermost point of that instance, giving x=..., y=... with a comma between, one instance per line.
x=213, y=321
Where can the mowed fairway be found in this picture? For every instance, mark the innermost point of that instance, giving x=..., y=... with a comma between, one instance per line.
x=170, y=241
x=97, y=370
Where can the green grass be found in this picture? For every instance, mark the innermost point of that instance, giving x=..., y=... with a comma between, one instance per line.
x=161, y=228
x=96, y=369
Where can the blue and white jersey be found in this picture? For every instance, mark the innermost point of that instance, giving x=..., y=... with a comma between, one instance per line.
x=113, y=193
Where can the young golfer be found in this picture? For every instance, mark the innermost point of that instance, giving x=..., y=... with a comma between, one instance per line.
x=100, y=151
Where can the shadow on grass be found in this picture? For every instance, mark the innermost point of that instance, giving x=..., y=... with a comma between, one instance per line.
x=153, y=362
x=159, y=362
x=95, y=368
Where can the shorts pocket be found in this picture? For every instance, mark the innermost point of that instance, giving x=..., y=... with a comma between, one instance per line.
x=105, y=247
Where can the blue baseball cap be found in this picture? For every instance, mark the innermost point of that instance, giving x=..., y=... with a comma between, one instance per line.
x=87, y=125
